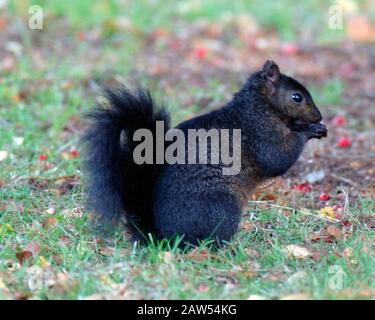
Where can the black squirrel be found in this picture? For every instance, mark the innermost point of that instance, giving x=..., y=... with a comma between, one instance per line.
x=276, y=115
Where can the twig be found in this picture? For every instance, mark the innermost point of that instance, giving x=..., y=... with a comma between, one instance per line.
x=296, y=210
x=266, y=186
x=346, y=180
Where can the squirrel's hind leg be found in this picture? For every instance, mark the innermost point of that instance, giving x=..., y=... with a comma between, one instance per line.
x=209, y=215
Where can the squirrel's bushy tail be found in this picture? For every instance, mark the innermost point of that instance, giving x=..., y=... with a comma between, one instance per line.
x=116, y=185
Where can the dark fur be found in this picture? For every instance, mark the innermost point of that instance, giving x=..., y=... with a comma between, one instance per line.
x=197, y=201
x=116, y=185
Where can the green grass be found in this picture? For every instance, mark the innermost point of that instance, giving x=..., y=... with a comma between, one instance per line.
x=289, y=18
x=161, y=271
x=329, y=94
x=81, y=262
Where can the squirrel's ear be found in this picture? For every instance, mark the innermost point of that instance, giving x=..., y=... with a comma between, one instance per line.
x=271, y=71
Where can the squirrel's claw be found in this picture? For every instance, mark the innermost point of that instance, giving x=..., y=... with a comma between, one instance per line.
x=317, y=130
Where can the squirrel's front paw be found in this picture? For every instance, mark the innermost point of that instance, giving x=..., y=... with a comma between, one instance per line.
x=317, y=130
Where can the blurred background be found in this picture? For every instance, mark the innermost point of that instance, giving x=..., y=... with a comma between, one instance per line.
x=193, y=55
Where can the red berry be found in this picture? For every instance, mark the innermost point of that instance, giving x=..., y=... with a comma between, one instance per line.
x=200, y=52
x=74, y=153
x=346, y=223
x=344, y=142
x=338, y=121
x=42, y=157
x=289, y=49
x=323, y=197
x=304, y=187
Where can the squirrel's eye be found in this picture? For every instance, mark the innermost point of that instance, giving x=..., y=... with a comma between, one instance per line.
x=297, y=97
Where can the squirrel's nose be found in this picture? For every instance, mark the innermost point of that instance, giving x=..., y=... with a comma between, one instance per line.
x=319, y=118
x=317, y=115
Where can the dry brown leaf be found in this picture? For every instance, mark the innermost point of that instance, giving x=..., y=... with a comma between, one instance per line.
x=296, y=296
x=49, y=222
x=3, y=155
x=334, y=232
x=31, y=250
x=297, y=252
x=327, y=212
x=22, y=256
x=246, y=226
x=198, y=255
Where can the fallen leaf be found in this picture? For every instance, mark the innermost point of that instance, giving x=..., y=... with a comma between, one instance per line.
x=327, y=212
x=42, y=262
x=30, y=251
x=33, y=247
x=297, y=252
x=23, y=256
x=3, y=155
x=198, y=255
x=246, y=226
x=319, y=236
x=296, y=296
x=2, y=285
x=334, y=232
x=49, y=222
